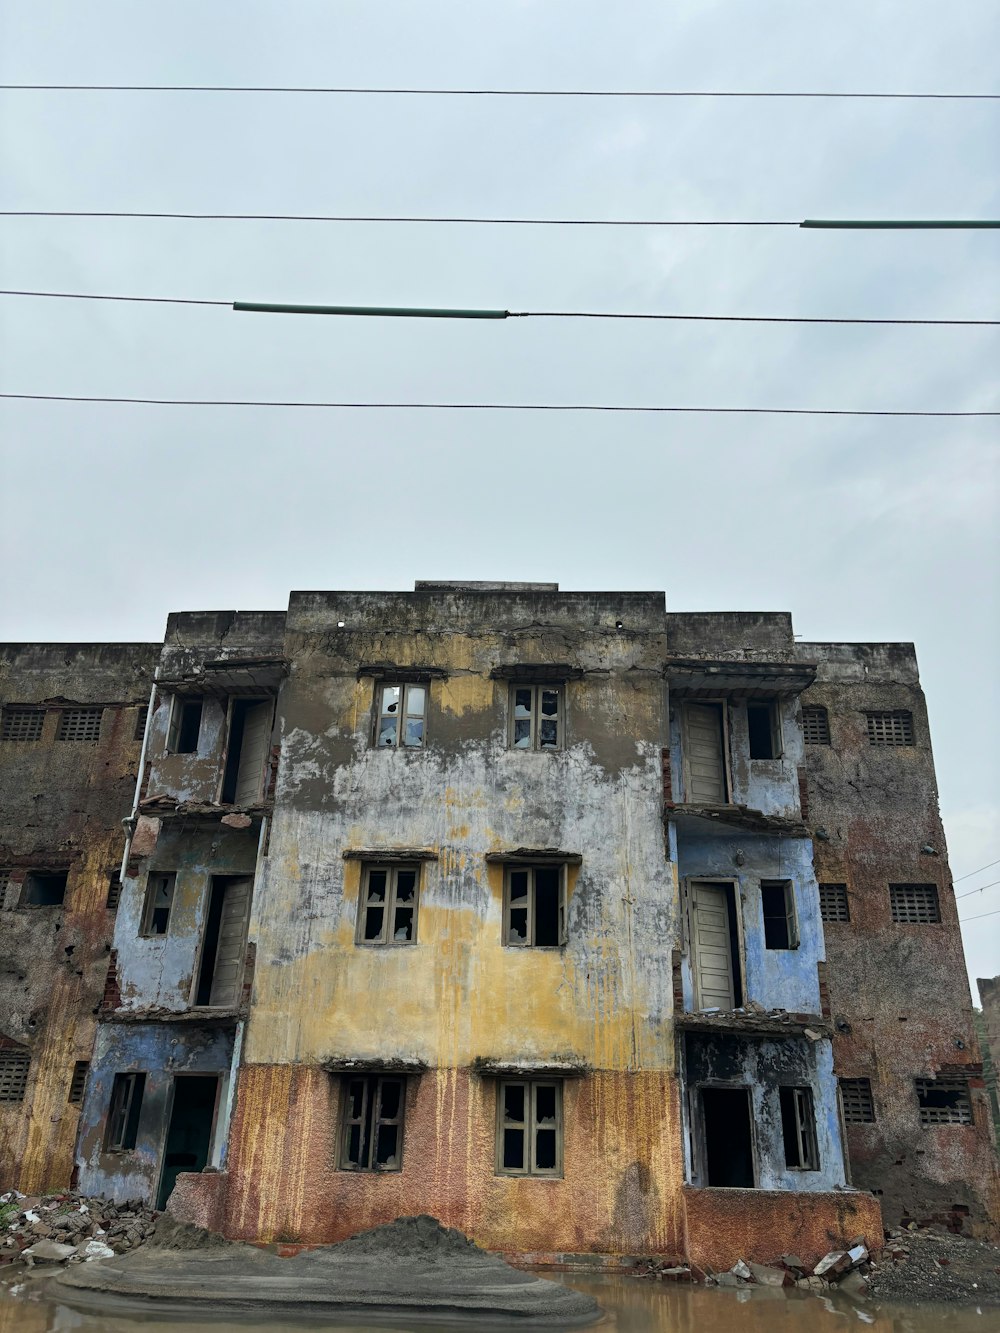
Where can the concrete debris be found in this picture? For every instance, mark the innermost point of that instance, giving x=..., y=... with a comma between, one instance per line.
x=833, y=1264
x=67, y=1228
x=934, y=1264
x=741, y=1270
x=765, y=1276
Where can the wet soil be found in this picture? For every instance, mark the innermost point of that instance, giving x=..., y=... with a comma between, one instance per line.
x=937, y=1266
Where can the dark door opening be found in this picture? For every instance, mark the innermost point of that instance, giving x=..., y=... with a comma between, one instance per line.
x=728, y=1141
x=221, y=972
x=189, y=1137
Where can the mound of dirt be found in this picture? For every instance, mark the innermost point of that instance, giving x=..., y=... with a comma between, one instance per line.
x=931, y=1265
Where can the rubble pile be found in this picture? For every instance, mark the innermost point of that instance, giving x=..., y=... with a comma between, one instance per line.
x=68, y=1228
x=845, y=1268
x=932, y=1264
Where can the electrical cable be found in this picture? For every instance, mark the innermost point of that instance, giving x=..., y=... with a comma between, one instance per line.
x=976, y=872
x=962, y=919
x=496, y=407
x=982, y=889
x=813, y=224
x=486, y=92
x=548, y=314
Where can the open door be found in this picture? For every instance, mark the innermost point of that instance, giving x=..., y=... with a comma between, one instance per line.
x=715, y=959
x=189, y=1135
x=220, y=975
x=727, y=1137
x=249, y=740
x=705, y=774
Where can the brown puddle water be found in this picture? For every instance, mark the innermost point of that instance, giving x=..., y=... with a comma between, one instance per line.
x=631, y=1306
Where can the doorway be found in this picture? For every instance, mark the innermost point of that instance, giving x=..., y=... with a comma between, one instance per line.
x=220, y=975
x=706, y=779
x=727, y=1137
x=189, y=1134
x=715, y=945
x=250, y=723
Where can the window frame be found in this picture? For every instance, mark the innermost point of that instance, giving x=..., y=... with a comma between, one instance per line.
x=78, y=1082
x=15, y=1069
x=861, y=1099
x=517, y=867
x=33, y=877
x=965, y=1112
x=149, y=904
x=880, y=724
x=835, y=901
x=898, y=900
x=537, y=688
x=70, y=718
x=373, y=1082
x=529, y=1127
x=774, y=725
x=379, y=712
x=803, y=1110
x=175, y=725
x=11, y=712
x=790, y=914
x=389, y=906
x=819, y=723
x=124, y=1110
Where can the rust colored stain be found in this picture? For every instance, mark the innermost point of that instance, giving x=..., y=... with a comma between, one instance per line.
x=620, y=1192
x=724, y=1225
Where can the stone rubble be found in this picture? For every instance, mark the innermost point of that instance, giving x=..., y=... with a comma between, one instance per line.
x=68, y=1228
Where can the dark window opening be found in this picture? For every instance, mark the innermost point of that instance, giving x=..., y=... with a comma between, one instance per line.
x=80, y=724
x=210, y=946
x=371, y=1136
x=857, y=1101
x=944, y=1101
x=535, y=906
x=529, y=1127
x=249, y=737
x=185, y=725
x=141, y=714
x=728, y=1137
x=762, y=723
x=14, y=1067
x=798, y=1129
x=159, y=902
x=114, y=892
x=189, y=1136
x=815, y=725
x=123, y=1114
x=914, y=904
x=79, y=1081
x=44, y=889
x=388, y=905
x=778, y=902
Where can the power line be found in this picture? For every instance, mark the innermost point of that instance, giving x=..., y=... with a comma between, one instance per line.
x=982, y=889
x=512, y=314
x=962, y=919
x=487, y=92
x=811, y=224
x=976, y=872
x=494, y=407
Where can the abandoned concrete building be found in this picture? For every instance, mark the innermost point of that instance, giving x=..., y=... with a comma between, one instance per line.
x=584, y=926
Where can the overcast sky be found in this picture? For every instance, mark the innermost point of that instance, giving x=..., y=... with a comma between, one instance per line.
x=866, y=529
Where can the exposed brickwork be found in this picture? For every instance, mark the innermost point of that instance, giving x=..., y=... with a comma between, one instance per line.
x=668, y=784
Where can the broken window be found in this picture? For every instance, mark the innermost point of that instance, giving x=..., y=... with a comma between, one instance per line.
x=387, y=911
x=833, y=903
x=535, y=906
x=80, y=724
x=914, y=904
x=13, y=1075
x=890, y=727
x=944, y=1101
x=857, y=1101
x=123, y=1114
x=536, y=717
x=371, y=1137
x=529, y=1127
x=402, y=716
x=114, y=891
x=159, y=901
x=798, y=1128
x=22, y=724
x=44, y=889
x=764, y=728
x=185, y=724
x=815, y=725
x=727, y=1137
x=78, y=1082
x=778, y=902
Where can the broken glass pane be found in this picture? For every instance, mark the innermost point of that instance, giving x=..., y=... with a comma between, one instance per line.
x=513, y=1149
x=387, y=731
x=356, y=1099
x=522, y=703
x=518, y=885
x=403, y=929
x=376, y=886
x=550, y=703
x=522, y=735
x=548, y=735
x=406, y=885
x=545, y=1149
x=390, y=699
x=518, y=932
x=414, y=731
x=513, y=1101
x=373, y=923
x=415, y=696
x=391, y=1088
x=354, y=1144
x=385, y=1146
x=545, y=1103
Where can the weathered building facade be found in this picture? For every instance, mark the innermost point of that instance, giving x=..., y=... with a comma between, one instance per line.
x=512, y=906
x=71, y=729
